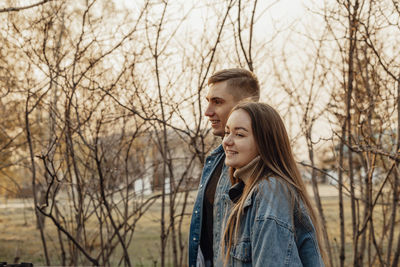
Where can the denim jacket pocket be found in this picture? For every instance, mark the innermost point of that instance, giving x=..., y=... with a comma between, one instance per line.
x=242, y=251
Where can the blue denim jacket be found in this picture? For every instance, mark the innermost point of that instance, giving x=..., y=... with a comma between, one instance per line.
x=221, y=205
x=269, y=235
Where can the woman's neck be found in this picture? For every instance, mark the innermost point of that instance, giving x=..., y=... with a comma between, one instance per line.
x=244, y=173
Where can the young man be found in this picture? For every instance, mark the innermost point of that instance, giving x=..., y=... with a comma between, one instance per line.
x=226, y=89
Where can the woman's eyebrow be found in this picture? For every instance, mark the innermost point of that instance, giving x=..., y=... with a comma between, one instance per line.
x=241, y=128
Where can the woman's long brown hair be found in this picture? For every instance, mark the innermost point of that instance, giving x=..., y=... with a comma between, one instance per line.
x=277, y=159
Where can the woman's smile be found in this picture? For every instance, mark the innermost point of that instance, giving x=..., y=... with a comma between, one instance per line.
x=239, y=144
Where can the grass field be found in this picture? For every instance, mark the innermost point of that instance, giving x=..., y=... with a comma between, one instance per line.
x=20, y=239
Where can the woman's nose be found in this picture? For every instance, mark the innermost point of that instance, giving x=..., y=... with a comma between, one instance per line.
x=227, y=141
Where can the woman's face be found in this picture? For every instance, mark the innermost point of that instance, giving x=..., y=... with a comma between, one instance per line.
x=239, y=143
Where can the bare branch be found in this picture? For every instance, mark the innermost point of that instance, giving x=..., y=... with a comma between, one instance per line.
x=15, y=9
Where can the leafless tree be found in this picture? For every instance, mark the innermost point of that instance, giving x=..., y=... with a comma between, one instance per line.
x=104, y=110
x=359, y=80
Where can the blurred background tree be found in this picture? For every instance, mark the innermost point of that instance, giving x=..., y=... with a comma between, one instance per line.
x=103, y=103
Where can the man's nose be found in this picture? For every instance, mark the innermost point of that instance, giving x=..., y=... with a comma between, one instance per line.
x=209, y=111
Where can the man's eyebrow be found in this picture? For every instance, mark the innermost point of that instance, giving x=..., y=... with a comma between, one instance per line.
x=217, y=98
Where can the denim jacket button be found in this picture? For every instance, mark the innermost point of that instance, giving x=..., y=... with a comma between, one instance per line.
x=194, y=238
x=196, y=211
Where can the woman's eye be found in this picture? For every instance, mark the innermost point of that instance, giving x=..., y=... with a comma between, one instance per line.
x=239, y=134
x=226, y=133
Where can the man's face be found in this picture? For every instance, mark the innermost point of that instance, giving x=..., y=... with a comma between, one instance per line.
x=220, y=103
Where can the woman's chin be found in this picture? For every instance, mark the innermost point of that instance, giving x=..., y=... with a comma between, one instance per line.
x=229, y=163
x=232, y=164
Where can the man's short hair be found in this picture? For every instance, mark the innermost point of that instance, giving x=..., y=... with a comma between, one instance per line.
x=243, y=83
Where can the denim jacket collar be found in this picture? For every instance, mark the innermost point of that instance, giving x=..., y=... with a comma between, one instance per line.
x=218, y=150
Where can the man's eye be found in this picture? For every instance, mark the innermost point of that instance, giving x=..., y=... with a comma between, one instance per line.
x=226, y=133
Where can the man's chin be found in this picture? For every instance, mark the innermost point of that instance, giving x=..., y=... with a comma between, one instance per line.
x=218, y=132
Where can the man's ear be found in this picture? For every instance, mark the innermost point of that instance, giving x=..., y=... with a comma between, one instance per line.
x=247, y=99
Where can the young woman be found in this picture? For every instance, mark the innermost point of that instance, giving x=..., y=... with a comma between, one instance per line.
x=272, y=222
